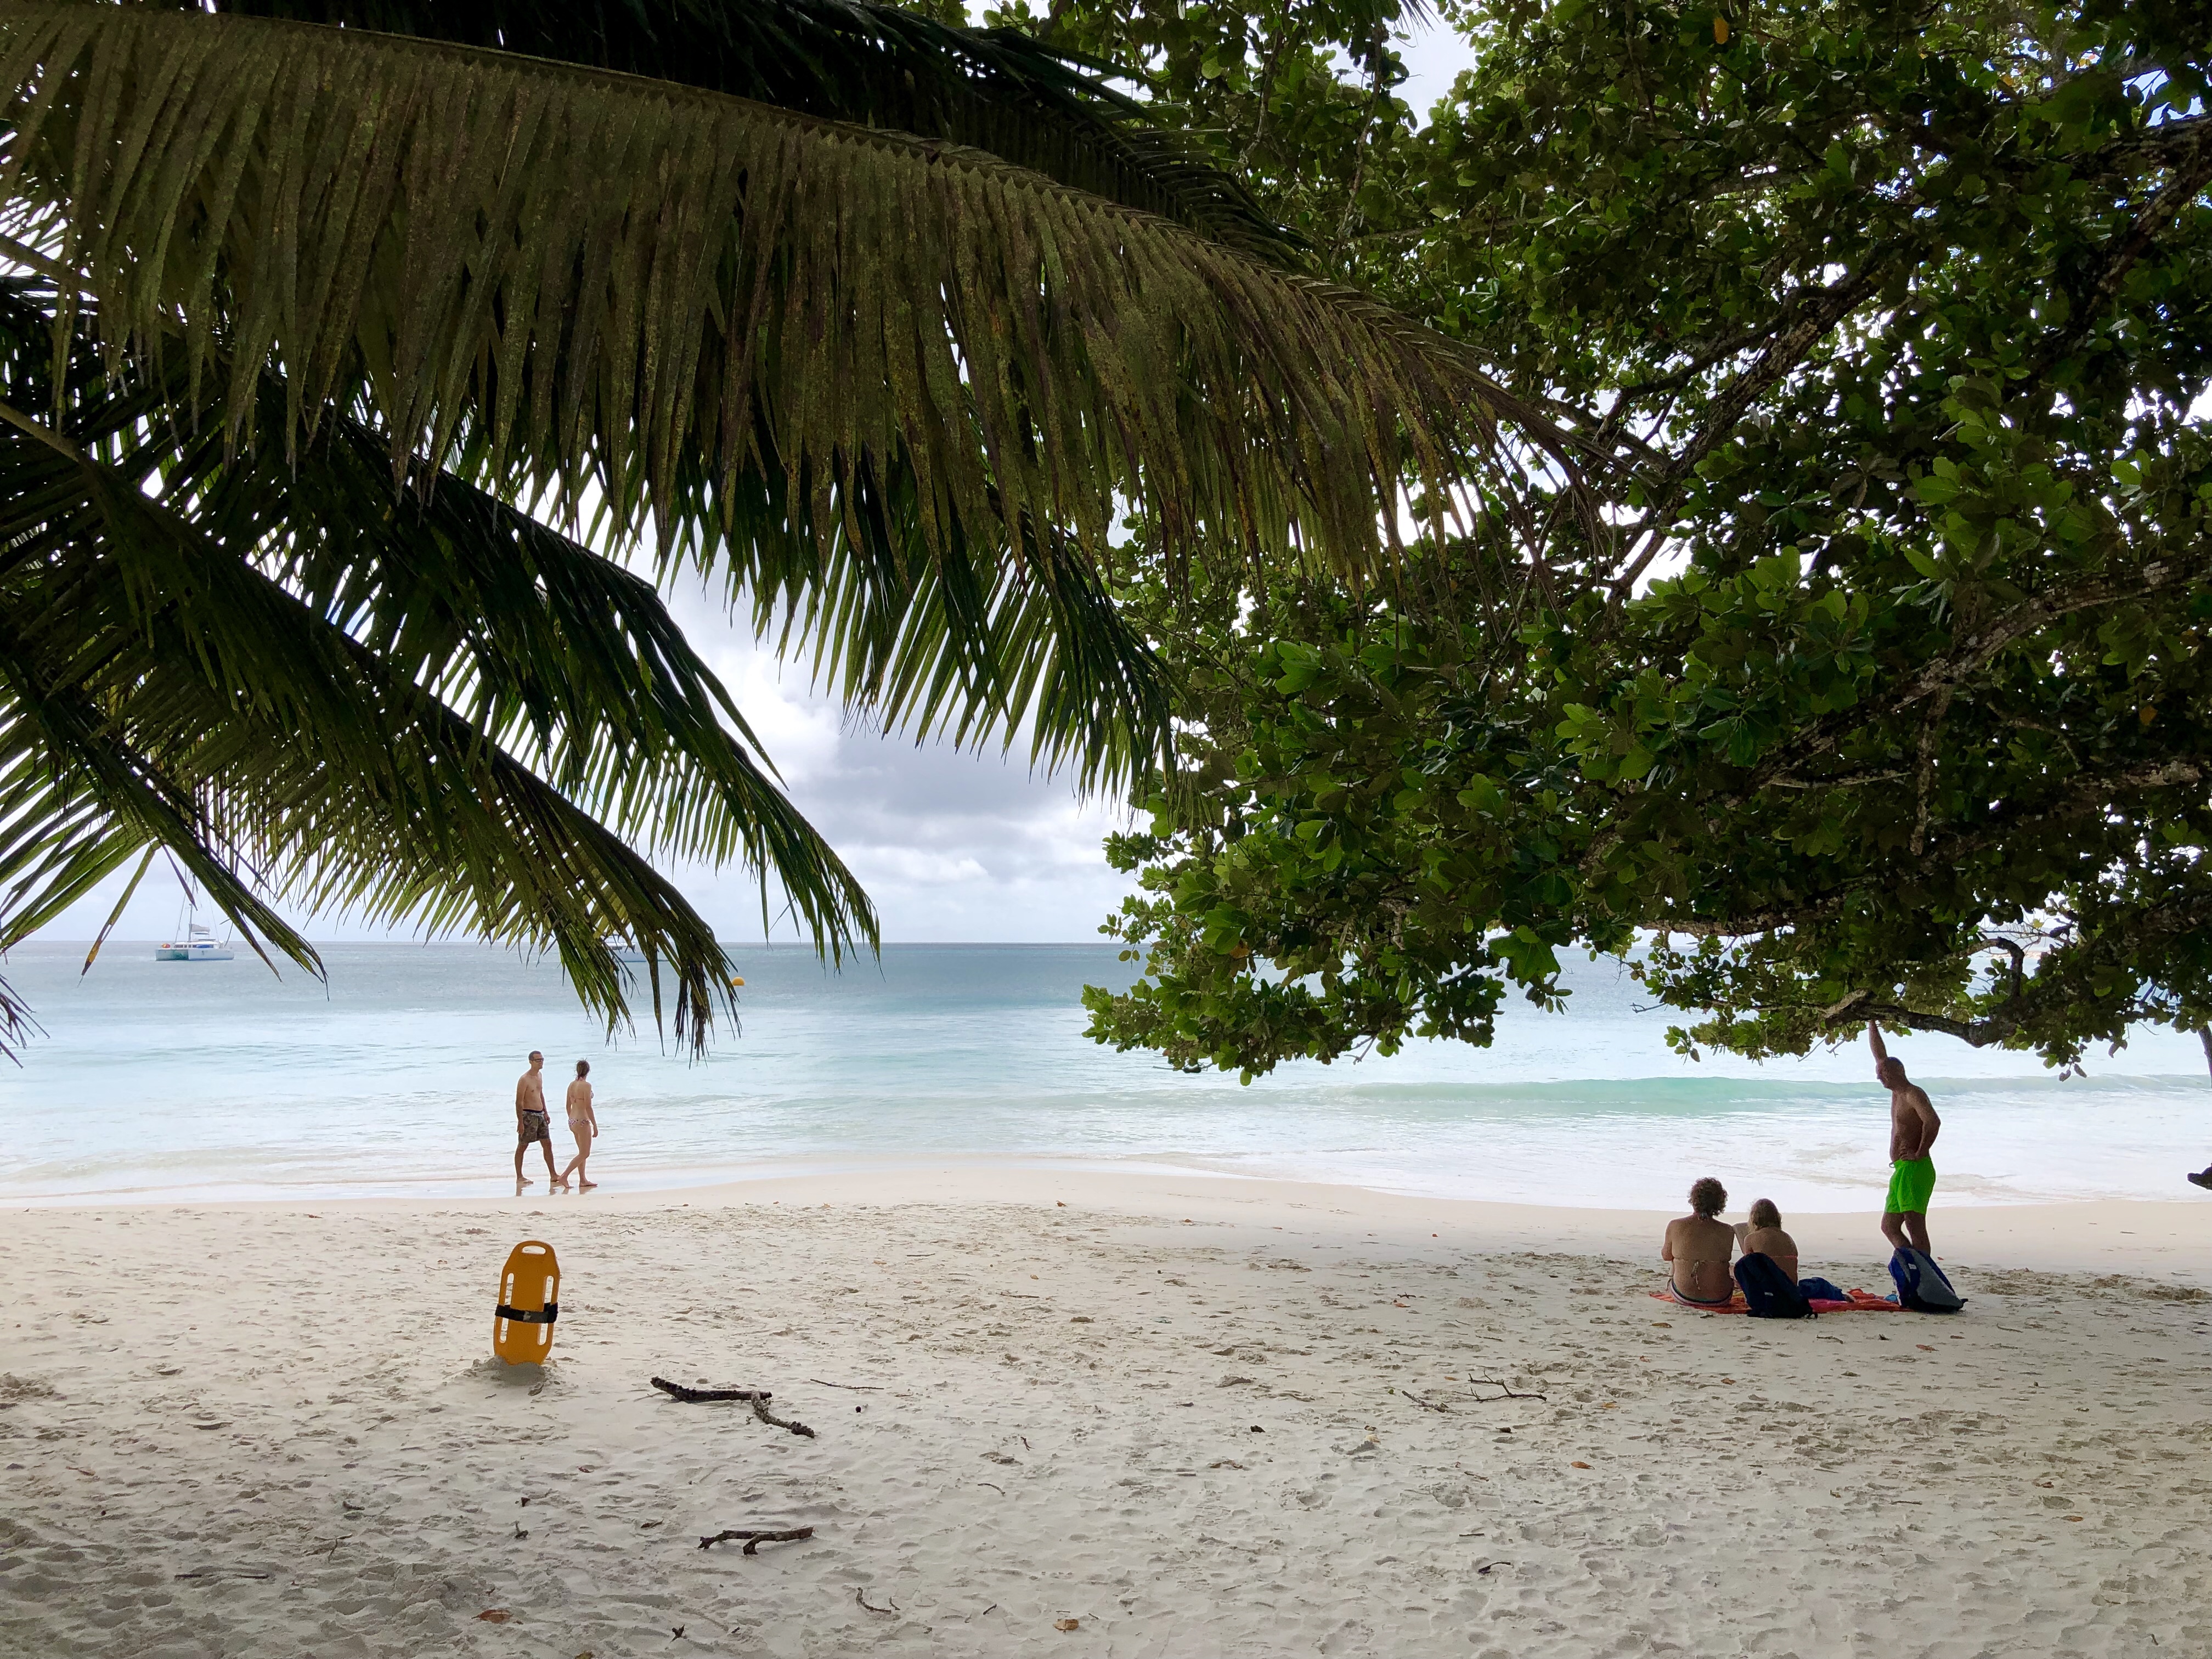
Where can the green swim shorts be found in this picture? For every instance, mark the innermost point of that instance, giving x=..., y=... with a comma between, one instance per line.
x=1912, y=1184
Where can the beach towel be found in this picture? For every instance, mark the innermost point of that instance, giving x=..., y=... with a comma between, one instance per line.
x=1858, y=1302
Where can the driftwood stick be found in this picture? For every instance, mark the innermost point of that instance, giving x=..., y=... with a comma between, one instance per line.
x=761, y=1411
x=758, y=1398
x=861, y=1596
x=755, y=1538
x=700, y=1397
x=1507, y=1391
x=1426, y=1405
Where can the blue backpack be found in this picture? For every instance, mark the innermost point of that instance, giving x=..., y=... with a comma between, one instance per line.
x=1768, y=1293
x=1921, y=1284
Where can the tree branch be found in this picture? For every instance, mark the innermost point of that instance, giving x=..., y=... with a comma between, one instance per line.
x=1782, y=354
x=2191, y=159
x=1969, y=656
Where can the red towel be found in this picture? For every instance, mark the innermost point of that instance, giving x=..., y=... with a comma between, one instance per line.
x=1860, y=1302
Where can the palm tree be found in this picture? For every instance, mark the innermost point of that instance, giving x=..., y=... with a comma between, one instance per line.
x=341, y=343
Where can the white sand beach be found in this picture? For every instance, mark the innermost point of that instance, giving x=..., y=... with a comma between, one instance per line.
x=1069, y=1413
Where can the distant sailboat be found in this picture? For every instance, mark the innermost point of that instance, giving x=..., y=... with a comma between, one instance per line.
x=192, y=942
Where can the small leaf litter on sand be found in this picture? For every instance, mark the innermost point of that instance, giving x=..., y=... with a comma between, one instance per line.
x=494, y=1616
x=1066, y=1623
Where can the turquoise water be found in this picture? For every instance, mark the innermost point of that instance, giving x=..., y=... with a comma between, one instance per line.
x=171, y=1080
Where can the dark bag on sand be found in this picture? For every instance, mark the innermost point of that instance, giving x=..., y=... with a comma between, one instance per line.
x=1823, y=1290
x=1768, y=1293
x=1921, y=1284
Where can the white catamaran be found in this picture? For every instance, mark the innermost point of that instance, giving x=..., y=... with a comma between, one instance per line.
x=192, y=943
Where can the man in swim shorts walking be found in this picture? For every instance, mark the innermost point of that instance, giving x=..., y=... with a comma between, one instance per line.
x=1913, y=1127
x=530, y=1122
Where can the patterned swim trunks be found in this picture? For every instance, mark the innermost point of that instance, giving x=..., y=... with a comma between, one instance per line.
x=533, y=1127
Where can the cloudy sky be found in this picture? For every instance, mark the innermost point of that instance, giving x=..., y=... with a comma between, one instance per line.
x=951, y=847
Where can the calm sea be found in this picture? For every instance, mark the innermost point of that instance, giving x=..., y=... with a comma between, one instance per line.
x=170, y=1080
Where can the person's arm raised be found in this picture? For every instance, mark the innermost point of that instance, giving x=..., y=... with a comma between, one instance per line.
x=1880, y=1054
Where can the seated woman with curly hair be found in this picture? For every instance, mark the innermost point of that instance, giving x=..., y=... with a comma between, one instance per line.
x=1699, y=1245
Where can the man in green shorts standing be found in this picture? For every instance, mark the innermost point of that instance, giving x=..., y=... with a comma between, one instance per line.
x=1912, y=1129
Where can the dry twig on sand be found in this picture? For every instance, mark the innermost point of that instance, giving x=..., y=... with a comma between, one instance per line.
x=861, y=1596
x=1506, y=1390
x=753, y=1539
x=757, y=1397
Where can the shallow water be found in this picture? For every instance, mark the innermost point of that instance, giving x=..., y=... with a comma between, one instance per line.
x=215, y=1079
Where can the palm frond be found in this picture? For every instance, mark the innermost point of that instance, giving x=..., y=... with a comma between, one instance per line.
x=971, y=648
x=543, y=645
x=1000, y=90
x=170, y=693
x=607, y=280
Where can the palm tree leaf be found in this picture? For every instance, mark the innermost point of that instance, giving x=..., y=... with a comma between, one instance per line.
x=964, y=646
x=553, y=650
x=605, y=279
x=285, y=747
x=1000, y=90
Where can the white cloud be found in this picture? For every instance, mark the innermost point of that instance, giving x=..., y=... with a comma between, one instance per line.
x=950, y=846
x=1434, y=53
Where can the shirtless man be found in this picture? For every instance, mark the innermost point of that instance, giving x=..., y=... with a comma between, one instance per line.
x=1763, y=1234
x=1912, y=1128
x=583, y=1124
x=1698, y=1245
x=530, y=1122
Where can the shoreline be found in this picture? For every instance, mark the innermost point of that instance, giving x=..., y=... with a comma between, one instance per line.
x=2154, y=1237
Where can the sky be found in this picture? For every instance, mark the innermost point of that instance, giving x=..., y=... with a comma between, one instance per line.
x=951, y=847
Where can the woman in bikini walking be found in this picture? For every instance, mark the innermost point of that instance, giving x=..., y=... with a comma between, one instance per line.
x=583, y=1124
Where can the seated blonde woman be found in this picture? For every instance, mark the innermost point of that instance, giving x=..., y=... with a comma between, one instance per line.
x=1763, y=1234
x=1699, y=1246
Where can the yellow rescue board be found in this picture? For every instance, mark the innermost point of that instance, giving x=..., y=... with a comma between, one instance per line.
x=529, y=1303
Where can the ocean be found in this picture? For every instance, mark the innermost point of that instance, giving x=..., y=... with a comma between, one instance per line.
x=167, y=1081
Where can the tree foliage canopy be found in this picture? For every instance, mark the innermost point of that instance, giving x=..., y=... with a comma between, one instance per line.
x=1883, y=691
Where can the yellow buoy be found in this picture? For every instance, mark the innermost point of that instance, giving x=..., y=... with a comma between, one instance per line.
x=529, y=1303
